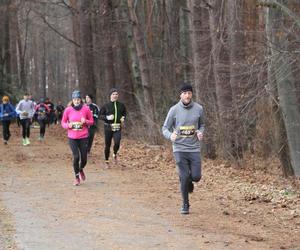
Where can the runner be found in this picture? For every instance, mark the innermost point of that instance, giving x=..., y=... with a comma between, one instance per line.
x=113, y=114
x=59, y=111
x=76, y=120
x=25, y=109
x=184, y=127
x=50, y=105
x=7, y=113
x=93, y=128
x=42, y=112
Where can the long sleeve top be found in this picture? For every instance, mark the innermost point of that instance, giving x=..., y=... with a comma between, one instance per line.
x=73, y=116
x=7, y=112
x=113, y=108
x=25, y=109
x=187, y=121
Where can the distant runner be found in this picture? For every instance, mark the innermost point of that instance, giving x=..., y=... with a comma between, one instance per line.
x=76, y=119
x=25, y=109
x=113, y=114
x=184, y=127
x=7, y=113
x=42, y=117
x=50, y=105
x=59, y=111
x=93, y=128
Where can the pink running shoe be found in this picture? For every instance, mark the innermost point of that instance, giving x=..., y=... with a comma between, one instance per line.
x=76, y=182
x=82, y=175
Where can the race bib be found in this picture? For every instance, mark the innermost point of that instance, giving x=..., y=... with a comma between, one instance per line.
x=77, y=126
x=115, y=126
x=41, y=114
x=187, y=131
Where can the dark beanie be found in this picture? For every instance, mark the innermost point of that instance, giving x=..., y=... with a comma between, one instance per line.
x=112, y=91
x=90, y=96
x=186, y=87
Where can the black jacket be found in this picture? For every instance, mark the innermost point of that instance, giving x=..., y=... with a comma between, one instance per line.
x=95, y=111
x=113, y=108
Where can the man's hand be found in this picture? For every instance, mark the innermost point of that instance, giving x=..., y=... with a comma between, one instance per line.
x=110, y=117
x=173, y=136
x=122, y=119
x=200, y=136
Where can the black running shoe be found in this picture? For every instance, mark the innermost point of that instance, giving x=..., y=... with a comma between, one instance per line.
x=185, y=209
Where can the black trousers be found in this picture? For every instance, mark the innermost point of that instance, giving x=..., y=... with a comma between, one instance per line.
x=42, y=124
x=25, y=127
x=92, y=131
x=6, y=132
x=79, y=150
x=109, y=135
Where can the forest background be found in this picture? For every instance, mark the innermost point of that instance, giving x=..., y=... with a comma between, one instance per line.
x=242, y=58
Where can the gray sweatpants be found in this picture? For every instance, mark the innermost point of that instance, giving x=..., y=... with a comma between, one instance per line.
x=189, y=166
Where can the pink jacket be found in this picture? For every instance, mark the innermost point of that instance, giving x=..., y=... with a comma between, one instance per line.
x=78, y=131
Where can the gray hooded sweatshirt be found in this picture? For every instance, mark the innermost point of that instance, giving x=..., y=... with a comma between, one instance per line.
x=187, y=121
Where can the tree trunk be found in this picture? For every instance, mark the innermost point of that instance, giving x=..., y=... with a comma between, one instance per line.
x=86, y=40
x=285, y=84
x=108, y=43
x=223, y=89
x=76, y=36
x=236, y=47
x=148, y=107
x=203, y=80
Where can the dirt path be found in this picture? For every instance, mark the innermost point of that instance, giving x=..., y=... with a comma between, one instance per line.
x=127, y=207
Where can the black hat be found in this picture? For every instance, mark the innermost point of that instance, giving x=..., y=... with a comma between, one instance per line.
x=112, y=91
x=90, y=96
x=186, y=87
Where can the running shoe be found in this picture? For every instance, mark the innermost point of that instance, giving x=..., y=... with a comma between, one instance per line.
x=115, y=158
x=76, y=182
x=82, y=175
x=107, y=164
x=5, y=142
x=24, y=142
x=185, y=209
x=27, y=141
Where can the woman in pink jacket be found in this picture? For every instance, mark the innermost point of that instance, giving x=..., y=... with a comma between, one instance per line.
x=76, y=119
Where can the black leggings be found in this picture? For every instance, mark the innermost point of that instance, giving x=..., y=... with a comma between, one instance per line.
x=42, y=124
x=79, y=150
x=108, y=137
x=6, y=132
x=25, y=127
x=92, y=131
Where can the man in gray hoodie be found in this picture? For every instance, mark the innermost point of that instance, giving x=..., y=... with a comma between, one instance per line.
x=25, y=109
x=184, y=126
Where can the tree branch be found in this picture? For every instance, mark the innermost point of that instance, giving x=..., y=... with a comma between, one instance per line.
x=57, y=32
x=284, y=9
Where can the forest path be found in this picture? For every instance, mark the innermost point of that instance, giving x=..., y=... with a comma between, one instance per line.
x=125, y=207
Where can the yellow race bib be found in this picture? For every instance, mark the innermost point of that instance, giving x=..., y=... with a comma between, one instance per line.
x=77, y=126
x=187, y=131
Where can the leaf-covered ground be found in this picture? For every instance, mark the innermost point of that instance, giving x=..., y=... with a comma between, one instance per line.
x=136, y=203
